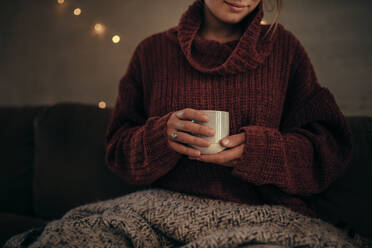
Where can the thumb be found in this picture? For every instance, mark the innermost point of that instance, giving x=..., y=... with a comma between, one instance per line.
x=233, y=140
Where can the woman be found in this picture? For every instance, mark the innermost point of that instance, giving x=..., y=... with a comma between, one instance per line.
x=289, y=139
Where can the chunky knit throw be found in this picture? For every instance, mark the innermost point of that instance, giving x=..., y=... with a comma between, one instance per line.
x=297, y=139
x=159, y=218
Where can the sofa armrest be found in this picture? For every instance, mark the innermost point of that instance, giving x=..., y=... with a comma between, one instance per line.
x=17, y=155
x=347, y=202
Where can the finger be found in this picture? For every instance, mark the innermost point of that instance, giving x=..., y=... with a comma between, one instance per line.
x=194, y=128
x=224, y=156
x=230, y=163
x=192, y=114
x=186, y=138
x=180, y=148
x=194, y=158
x=233, y=140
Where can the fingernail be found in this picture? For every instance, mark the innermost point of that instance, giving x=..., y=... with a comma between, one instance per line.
x=225, y=142
x=179, y=114
x=211, y=131
x=205, y=117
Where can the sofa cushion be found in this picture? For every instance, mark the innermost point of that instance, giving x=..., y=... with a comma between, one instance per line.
x=348, y=202
x=12, y=224
x=17, y=154
x=70, y=165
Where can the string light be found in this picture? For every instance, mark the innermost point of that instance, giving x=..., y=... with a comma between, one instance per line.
x=116, y=39
x=263, y=22
x=77, y=11
x=102, y=105
x=99, y=28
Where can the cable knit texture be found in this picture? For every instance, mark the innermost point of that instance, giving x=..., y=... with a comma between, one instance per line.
x=160, y=219
x=297, y=139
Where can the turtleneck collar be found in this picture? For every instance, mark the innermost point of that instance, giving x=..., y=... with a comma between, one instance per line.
x=237, y=56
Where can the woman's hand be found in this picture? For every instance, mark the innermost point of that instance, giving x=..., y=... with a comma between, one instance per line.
x=180, y=125
x=234, y=143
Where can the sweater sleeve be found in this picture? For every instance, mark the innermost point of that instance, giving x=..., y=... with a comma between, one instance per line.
x=136, y=145
x=312, y=146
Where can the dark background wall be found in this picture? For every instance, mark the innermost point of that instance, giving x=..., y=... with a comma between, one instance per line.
x=48, y=55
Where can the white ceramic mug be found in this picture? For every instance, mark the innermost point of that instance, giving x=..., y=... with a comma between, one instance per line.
x=219, y=121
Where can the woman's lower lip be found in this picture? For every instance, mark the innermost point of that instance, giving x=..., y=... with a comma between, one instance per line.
x=234, y=8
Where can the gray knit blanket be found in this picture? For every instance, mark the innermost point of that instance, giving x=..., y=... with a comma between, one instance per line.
x=161, y=218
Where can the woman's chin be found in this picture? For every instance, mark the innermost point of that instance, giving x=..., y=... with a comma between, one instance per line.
x=232, y=20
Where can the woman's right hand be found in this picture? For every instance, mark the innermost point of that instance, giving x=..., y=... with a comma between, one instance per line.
x=179, y=127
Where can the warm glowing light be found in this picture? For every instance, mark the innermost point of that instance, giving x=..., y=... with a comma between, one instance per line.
x=102, y=105
x=264, y=22
x=60, y=1
x=116, y=39
x=77, y=11
x=99, y=28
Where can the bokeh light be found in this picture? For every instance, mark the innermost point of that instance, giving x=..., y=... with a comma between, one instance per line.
x=61, y=1
x=77, y=11
x=102, y=105
x=99, y=28
x=116, y=39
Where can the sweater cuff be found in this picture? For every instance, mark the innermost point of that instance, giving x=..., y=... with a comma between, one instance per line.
x=263, y=157
x=161, y=149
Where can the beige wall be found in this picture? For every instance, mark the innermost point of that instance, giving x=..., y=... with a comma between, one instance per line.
x=47, y=55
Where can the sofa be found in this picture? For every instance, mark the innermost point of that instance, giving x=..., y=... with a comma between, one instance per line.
x=53, y=159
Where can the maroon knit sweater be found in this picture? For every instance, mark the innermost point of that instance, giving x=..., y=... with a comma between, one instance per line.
x=297, y=139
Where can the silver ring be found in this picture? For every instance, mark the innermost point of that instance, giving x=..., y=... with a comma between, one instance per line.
x=174, y=135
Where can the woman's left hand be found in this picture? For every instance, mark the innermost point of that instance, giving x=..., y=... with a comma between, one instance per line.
x=234, y=143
